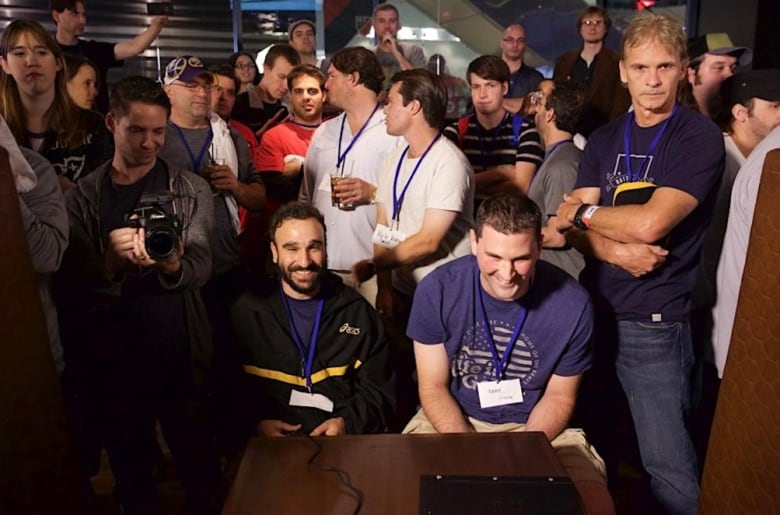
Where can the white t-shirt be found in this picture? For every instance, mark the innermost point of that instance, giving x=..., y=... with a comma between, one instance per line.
x=444, y=180
x=348, y=232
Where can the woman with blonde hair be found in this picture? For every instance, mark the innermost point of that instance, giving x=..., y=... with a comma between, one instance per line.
x=34, y=102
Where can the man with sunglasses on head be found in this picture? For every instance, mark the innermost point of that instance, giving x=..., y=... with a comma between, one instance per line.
x=595, y=68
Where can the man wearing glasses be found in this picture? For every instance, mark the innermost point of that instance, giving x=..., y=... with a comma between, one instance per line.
x=595, y=68
x=523, y=78
x=199, y=141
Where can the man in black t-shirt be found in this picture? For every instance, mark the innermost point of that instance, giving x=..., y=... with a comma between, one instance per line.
x=70, y=16
x=132, y=320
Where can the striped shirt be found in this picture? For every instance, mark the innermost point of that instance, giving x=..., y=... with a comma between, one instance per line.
x=489, y=148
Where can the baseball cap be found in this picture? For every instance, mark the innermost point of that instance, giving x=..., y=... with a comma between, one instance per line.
x=296, y=23
x=718, y=43
x=741, y=87
x=186, y=68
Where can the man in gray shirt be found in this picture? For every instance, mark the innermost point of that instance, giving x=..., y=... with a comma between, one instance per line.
x=393, y=56
x=558, y=112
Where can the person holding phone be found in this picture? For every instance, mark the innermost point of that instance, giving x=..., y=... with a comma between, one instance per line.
x=70, y=17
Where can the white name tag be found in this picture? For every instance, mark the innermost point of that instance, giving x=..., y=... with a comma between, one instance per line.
x=311, y=400
x=387, y=237
x=501, y=393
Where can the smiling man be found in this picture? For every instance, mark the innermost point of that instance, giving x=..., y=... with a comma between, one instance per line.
x=136, y=323
x=639, y=210
x=313, y=350
x=501, y=320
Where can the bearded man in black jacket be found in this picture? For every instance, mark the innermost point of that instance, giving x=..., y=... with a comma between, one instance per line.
x=313, y=350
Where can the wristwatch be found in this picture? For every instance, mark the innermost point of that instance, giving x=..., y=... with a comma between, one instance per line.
x=578, y=222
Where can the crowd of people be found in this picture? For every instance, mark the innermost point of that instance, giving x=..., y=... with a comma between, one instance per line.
x=334, y=248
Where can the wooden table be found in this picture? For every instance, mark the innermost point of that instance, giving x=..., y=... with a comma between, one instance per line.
x=275, y=477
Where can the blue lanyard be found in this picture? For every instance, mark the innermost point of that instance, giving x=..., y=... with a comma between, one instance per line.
x=499, y=364
x=556, y=145
x=306, y=359
x=633, y=177
x=397, y=201
x=340, y=158
x=493, y=138
x=195, y=162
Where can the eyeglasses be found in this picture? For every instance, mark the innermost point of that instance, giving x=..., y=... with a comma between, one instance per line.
x=194, y=86
x=595, y=23
x=246, y=66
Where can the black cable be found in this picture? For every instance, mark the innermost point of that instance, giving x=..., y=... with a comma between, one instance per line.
x=343, y=475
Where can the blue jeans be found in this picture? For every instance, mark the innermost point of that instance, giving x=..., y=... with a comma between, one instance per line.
x=654, y=361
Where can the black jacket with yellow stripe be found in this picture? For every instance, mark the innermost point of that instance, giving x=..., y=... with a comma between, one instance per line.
x=350, y=366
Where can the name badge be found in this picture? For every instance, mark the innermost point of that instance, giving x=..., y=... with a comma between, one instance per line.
x=499, y=393
x=311, y=400
x=387, y=237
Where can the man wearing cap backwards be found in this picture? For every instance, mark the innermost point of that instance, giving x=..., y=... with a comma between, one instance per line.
x=756, y=90
x=713, y=58
x=638, y=212
x=750, y=109
x=301, y=35
x=143, y=341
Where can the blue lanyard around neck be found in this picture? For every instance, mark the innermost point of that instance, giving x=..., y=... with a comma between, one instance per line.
x=196, y=162
x=340, y=158
x=633, y=177
x=499, y=363
x=398, y=200
x=307, y=358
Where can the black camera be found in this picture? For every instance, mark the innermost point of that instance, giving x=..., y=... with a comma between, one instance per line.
x=163, y=228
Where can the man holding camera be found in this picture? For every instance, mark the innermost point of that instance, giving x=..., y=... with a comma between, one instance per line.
x=134, y=325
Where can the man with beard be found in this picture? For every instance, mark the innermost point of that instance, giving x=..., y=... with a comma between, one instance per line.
x=313, y=350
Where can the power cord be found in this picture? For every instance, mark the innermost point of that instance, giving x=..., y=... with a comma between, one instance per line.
x=341, y=474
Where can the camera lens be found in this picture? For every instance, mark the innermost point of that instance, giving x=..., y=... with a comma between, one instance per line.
x=161, y=243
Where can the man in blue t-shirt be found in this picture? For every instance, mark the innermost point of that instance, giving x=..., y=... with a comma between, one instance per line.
x=639, y=211
x=501, y=341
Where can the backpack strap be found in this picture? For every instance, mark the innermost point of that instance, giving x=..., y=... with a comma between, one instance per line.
x=463, y=125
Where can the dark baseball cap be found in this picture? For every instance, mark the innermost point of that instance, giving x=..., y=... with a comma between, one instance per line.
x=741, y=87
x=297, y=23
x=718, y=43
x=185, y=69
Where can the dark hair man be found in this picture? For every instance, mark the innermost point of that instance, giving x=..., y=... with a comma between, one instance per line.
x=301, y=35
x=260, y=107
x=424, y=207
x=713, y=58
x=351, y=147
x=308, y=316
x=504, y=149
x=393, y=56
x=136, y=322
x=70, y=17
x=501, y=319
x=558, y=112
x=639, y=210
x=595, y=68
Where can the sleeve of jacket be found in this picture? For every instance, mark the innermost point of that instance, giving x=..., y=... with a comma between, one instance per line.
x=373, y=399
x=44, y=217
x=197, y=215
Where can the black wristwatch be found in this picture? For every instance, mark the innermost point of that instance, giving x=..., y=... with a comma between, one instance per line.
x=577, y=222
